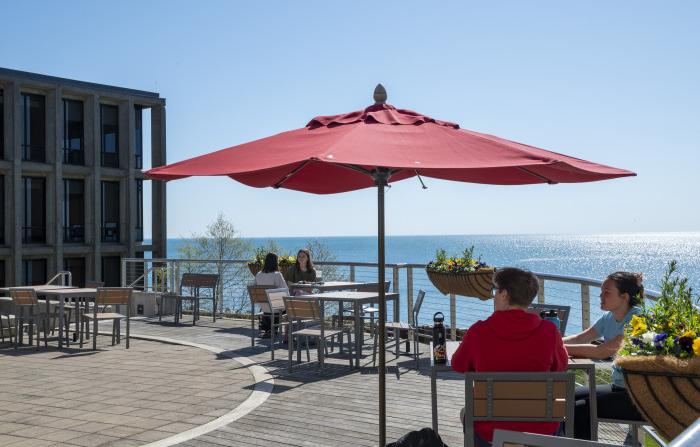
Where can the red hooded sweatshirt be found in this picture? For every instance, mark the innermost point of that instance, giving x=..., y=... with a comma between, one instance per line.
x=515, y=341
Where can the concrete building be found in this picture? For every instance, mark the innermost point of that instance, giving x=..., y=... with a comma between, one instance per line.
x=71, y=179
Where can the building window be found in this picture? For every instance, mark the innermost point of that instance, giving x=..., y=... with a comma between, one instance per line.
x=34, y=225
x=34, y=271
x=33, y=127
x=76, y=267
x=109, y=119
x=73, y=132
x=111, y=271
x=73, y=210
x=110, y=211
x=138, y=136
x=2, y=125
x=139, y=210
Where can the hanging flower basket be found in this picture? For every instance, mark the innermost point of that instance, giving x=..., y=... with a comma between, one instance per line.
x=477, y=284
x=665, y=389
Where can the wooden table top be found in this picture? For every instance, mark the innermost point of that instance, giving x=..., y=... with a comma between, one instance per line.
x=331, y=285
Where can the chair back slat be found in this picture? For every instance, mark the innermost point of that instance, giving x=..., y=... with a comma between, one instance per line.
x=113, y=295
x=275, y=298
x=417, y=305
x=257, y=294
x=199, y=280
x=302, y=309
x=519, y=390
x=24, y=297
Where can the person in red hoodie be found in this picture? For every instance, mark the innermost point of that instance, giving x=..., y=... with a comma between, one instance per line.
x=514, y=340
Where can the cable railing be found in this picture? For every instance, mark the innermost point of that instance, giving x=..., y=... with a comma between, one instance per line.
x=161, y=275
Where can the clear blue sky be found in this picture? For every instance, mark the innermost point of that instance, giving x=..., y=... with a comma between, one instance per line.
x=612, y=82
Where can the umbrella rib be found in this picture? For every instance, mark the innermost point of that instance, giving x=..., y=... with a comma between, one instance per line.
x=534, y=174
x=290, y=174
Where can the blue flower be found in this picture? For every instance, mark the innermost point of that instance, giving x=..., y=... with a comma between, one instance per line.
x=659, y=340
x=636, y=341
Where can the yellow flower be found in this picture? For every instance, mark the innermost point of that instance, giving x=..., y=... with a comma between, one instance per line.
x=639, y=326
x=689, y=334
x=696, y=346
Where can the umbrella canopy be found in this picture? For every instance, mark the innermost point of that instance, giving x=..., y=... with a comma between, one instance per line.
x=376, y=146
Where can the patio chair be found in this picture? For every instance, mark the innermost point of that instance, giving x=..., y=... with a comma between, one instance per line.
x=106, y=296
x=194, y=283
x=28, y=312
x=258, y=298
x=517, y=396
x=303, y=311
x=507, y=438
x=398, y=326
x=275, y=304
x=7, y=319
x=562, y=312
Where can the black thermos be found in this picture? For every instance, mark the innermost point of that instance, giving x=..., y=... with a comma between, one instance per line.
x=439, y=342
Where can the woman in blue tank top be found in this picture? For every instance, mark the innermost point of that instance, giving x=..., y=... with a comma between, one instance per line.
x=620, y=295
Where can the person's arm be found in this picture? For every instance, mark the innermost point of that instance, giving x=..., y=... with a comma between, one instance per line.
x=599, y=352
x=584, y=337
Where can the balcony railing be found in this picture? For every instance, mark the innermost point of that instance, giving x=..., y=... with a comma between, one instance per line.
x=110, y=232
x=33, y=235
x=73, y=156
x=110, y=159
x=406, y=279
x=74, y=233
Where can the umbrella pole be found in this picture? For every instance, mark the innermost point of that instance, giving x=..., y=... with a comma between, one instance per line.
x=381, y=177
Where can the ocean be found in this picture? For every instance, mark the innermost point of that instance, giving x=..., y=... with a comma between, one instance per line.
x=588, y=255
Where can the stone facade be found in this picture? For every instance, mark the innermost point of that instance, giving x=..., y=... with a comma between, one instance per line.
x=53, y=243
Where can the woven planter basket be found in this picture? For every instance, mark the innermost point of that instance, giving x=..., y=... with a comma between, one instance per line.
x=476, y=284
x=255, y=268
x=666, y=390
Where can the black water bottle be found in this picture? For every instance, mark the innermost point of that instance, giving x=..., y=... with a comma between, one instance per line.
x=439, y=342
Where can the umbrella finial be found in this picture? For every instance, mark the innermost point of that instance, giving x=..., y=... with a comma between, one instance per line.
x=379, y=94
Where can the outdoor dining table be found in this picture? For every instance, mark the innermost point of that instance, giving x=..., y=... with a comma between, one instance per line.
x=587, y=365
x=61, y=295
x=357, y=299
x=328, y=286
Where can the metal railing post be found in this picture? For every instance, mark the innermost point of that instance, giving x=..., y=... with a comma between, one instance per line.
x=585, y=306
x=124, y=272
x=453, y=317
x=397, y=303
x=409, y=294
x=352, y=273
x=540, y=293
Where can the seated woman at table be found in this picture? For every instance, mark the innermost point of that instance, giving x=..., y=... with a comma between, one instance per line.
x=269, y=276
x=511, y=340
x=303, y=269
x=620, y=295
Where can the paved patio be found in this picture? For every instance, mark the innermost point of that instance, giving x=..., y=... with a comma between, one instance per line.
x=217, y=391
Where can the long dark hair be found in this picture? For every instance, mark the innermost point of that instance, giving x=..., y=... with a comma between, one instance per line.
x=630, y=283
x=309, y=264
x=271, y=263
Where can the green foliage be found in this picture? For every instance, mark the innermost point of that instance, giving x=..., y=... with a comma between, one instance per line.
x=671, y=325
x=464, y=264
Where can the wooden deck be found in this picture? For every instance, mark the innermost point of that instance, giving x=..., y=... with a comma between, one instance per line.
x=333, y=406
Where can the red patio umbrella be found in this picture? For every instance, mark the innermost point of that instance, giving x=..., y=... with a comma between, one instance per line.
x=376, y=146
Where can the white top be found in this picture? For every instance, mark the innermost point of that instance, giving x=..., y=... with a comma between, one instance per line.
x=270, y=279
